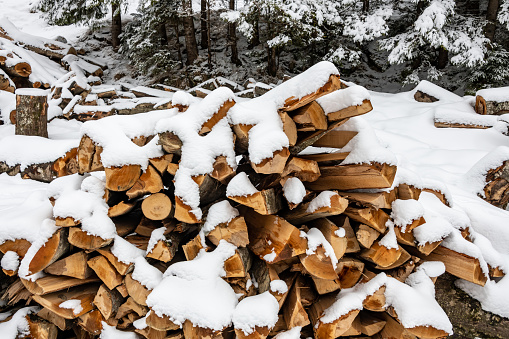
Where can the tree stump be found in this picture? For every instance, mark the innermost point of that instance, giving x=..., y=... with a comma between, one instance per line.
x=32, y=112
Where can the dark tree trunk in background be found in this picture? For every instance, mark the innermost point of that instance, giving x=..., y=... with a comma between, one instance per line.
x=255, y=41
x=491, y=16
x=116, y=25
x=177, y=35
x=163, y=35
x=203, y=25
x=191, y=45
x=420, y=7
x=365, y=5
x=232, y=38
x=209, y=42
x=272, y=62
x=32, y=113
x=443, y=57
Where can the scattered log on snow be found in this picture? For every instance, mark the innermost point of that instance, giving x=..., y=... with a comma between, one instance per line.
x=32, y=112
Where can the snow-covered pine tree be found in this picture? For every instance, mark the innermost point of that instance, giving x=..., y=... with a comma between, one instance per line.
x=437, y=35
x=145, y=39
x=65, y=12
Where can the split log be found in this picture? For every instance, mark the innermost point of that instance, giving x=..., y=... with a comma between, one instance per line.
x=234, y=232
x=394, y=329
x=131, y=306
x=349, y=272
x=216, y=117
x=162, y=323
x=366, y=235
x=105, y=271
x=184, y=213
x=350, y=111
x=136, y=290
x=50, y=284
x=74, y=266
x=310, y=138
x=192, y=248
x=376, y=301
x=52, y=301
x=335, y=139
x=242, y=137
x=318, y=264
x=121, y=208
x=333, y=329
x=41, y=329
x=273, y=238
x=352, y=245
x=107, y=301
x=310, y=117
x=81, y=239
x=51, y=251
x=303, y=213
x=264, y=202
x=165, y=250
x=289, y=128
x=304, y=169
x=170, y=142
x=149, y=182
x=327, y=158
x=374, y=200
x=121, y=267
x=349, y=177
x=32, y=112
x=19, y=246
x=238, y=264
x=483, y=106
x=293, y=312
x=222, y=171
x=161, y=163
x=91, y=322
x=62, y=323
x=274, y=164
x=293, y=103
x=381, y=255
x=372, y=217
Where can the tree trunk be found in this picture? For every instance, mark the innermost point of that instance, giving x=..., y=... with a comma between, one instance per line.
x=163, y=35
x=365, y=6
x=491, y=16
x=177, y=35
x=255, y=41
x=443, y=57
x=209, y=43
x=116, y=25
x=191, y=45
x=420, y=7
x=232, y=38
x=32, y=113
x=203, y=25
x=271, y=58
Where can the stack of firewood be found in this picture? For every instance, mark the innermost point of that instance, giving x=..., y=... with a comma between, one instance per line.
x=270, y=233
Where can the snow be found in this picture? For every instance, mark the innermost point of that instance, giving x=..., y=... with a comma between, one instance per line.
x=183, y=98
x=155, y=236
x=240, y=186
x=7, y=104
x=475, y=178
x=10, y=261
x=146, y=274
x=389, y=240
x=452, y=116
x=316, y=238
x=72, y=304
x=219, y=213
x=152, y=92
x=404, y=212
x=269, y=257
x=259, y=310
x=435, y=91
x=321, y=200
x=17, y=326
x=111, y=332
x=294, y=190
x=124, y=251
x=293, y=333
x=278, y=286
x=194, y=290
x=28, y=150
x=500, y=94
x=343, y=98
x=34, y=92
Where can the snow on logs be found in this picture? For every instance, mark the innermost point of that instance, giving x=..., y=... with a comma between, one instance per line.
x=202, y=220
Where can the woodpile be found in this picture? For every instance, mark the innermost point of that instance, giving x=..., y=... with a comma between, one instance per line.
x=300, y=252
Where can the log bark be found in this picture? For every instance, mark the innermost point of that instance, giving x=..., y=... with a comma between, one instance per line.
x=32, y=113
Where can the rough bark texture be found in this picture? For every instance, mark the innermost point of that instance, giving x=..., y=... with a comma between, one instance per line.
x=466, y=314
x=491, y=16
x=232, y=38
x=116, y=25
x=32, y=115
x=191, y=46
x=203, y=25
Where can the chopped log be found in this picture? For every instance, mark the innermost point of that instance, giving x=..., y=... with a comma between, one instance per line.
x=351, y=111
x=264, y=202
x=146, y=227
x=289, y=128
x=310, y=138
x=371, y=217
x=149, y=182
x=293, y=103
x=376, y=301
x=335, y=139
x=404, y=257
x=258, y=333
x=50, y=284
x=274, y=164
x=6, y=83
x=394, y=329
x=40, y=329
x=483, y=106
x=184, y=213
x=161, y=163
x=352, y=245
x=161, y=323
x=91, y=322
x=131, y=306
x=105, y=271
x=62, y=323
x=52, y=301
x=51, y=251
x=349, y=272
x=222, y=171
x=318, y=264
x=349, y=177
x=381, y=255
x=458, y=264
x=152, y=333
x=165, y=250
x=310, y=117
x=81, y=239
x=192, y=248
x=136, y=290
x=242, y=141
x=370, y=325
x=216, y=117
x=327, y=158
x=32, y=112
x=335, y=328
x=305, y=170
x=366, y=235
x=303, y=213
x=86, y=151
x=122, y=178
x=157, y=206
x=429, y=247
x=19, y=246
x=330, y=232
x=68, y=164
x=355, y=328
x=121, y=208
x=234, y=232
x=375, y=200
x=74, y=266
x=293, y=311
x=107, y=301
x=122, y=268
x=210, y=189
x=19, y=68
x=170, y=142
x=273, y=238
x=405, y=192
